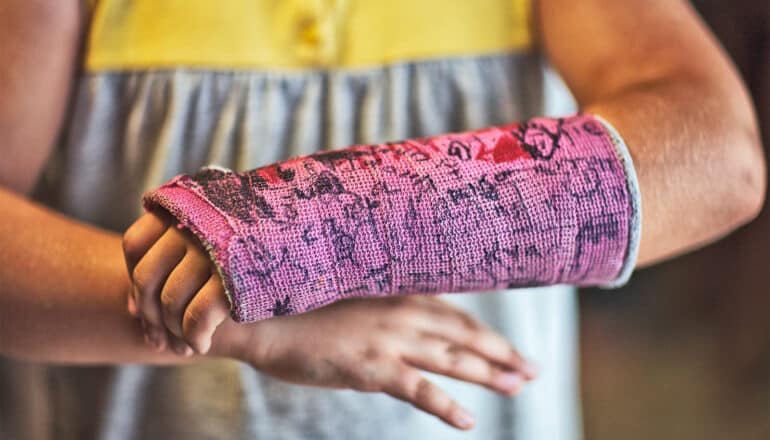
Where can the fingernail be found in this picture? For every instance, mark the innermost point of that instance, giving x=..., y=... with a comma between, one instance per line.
x=134, y=296
x=146, y=332
x=508, y=381
x=131, y=302
x=463, y=419
x=156, y=339
x=182, y=349
x=529, y=369
x=153, y=339
x=204, y=347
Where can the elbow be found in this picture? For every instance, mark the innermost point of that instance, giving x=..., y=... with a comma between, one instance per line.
x=757, y=189
x=734, y=168
x=744, y=162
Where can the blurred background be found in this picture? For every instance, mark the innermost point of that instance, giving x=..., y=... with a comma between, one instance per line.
x=684, y=351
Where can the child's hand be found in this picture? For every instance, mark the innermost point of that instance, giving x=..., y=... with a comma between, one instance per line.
x=176, y=290
x=380, y=345
x=376, y=345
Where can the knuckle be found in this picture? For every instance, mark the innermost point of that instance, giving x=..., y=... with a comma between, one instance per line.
x=359, y=378
x=405, y=381
x=132, y=243
x=458, y=337
x=514, y=354
x=387, y=328
x=454, y=358
x=468, y=322
x=168, y=300
x=173, y=325
x=194, y=320
x=449, y=408
x=194, y=341
x=402, y=307
x=405, y=315
x=372, y=354
x=168, y=306
x=475, y=342
x=141, y=279
x=147, y=311
x=397, y=301
x=172, y=321
x=423, y=391
x=490, y=372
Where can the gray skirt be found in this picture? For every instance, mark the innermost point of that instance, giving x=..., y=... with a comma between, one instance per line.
x=130, y=131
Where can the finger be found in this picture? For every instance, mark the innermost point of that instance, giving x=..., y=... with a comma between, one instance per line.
x=150, y=274
x=443, y=357
x=206, y=311
x=411, y=386
x=140, y=236
x=181, y=286
x=179, y=346
x=461, y=328
x=131, y=303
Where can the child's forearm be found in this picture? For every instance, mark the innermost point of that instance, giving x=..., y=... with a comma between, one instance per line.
x=62, y=283
x=63, y=292
x=547, y=201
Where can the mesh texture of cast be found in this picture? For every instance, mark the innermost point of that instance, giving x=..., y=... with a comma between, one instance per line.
x=547, y=201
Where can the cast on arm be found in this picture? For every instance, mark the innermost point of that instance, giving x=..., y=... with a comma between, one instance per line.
x=63, y=283
x=658, y=76
x=544, y=202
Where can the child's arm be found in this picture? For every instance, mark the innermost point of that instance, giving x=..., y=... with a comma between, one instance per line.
x=39, y=45
x=61, y=282
x=63, y=300
x=658, y=75
x=652, y=71
x=63, y=286
x=538, y=203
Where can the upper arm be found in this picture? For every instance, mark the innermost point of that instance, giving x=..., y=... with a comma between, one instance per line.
x=39, y=44
x=653, y=70
x=602, y=47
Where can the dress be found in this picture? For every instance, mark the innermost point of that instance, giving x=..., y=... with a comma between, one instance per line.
x=160, y=95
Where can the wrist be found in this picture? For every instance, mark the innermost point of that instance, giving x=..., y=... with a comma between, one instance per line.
x=243, y=342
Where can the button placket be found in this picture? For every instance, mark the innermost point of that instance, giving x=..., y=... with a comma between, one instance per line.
x=319, y=31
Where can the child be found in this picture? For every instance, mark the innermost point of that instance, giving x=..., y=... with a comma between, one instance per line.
x=169, y=86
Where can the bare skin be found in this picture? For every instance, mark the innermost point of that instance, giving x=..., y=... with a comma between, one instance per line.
x=649, y=67
x=655, y=71
x=63, y=283
x=385, y=342
x=687, y=120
